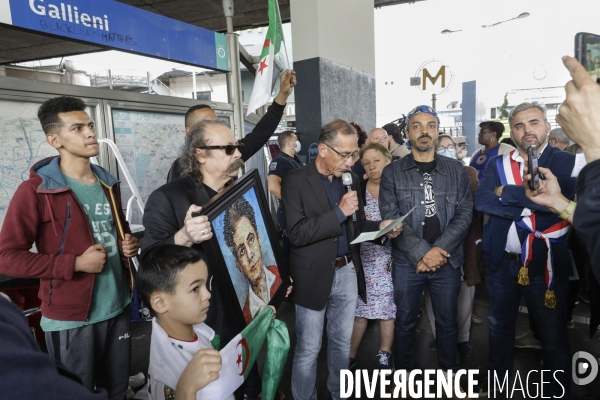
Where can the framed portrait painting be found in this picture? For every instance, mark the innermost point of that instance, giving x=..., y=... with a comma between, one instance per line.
x=244, y=252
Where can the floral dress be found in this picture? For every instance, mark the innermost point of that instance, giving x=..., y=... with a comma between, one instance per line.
x=375, y=260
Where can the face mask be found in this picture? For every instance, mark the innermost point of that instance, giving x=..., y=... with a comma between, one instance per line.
x=298, y=146
x=462, y=154
x=448, y=153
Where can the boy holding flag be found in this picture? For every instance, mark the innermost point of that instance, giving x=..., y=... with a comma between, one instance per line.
x=172, y=280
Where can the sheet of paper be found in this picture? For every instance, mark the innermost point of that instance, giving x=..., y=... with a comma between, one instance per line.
x=366, y=236
x=580, y=162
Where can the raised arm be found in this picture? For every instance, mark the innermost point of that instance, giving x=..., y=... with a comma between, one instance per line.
x=267, y=125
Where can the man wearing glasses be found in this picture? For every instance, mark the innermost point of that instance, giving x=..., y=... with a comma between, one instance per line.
x=255, y=140
x=326, y=268
x=210, y=159
x=429, y=251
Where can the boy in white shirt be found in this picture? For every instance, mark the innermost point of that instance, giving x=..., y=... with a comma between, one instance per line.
x=172, y=283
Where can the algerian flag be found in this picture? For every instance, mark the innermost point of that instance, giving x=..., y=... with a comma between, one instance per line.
x=240, y=354
x=261, y=93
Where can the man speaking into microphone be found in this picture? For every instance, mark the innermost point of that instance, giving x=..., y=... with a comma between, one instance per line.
x=325, y=267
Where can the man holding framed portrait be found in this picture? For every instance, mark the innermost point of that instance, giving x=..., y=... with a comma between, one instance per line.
x=210, y=158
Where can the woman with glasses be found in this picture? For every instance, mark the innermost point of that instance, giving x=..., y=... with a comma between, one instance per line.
x=473, y=267
x=375, y=260
x=489, y=137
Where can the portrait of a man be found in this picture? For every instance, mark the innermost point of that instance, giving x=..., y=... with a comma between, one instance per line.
x=251, y=262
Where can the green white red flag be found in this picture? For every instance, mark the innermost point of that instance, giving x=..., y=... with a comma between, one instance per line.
x=261, y=93
x=240, y=354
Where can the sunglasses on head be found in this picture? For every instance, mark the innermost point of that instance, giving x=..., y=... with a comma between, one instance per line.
x=229, y=148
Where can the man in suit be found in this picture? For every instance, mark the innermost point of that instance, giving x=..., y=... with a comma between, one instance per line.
x=516, y=236
x=325, y=267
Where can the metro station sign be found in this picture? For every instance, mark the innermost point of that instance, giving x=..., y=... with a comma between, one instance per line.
x=118, y=26
x=433, y=77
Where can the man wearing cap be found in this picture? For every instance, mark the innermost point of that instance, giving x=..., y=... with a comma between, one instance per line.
x=429, y=249
x=489, y=137
x=396, y=146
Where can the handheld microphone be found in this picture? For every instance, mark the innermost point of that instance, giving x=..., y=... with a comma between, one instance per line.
x=347, y=181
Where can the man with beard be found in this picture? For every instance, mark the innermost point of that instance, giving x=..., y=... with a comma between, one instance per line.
x=525, y=249
x=430, y=248
x=261, y=133
x=211, y=157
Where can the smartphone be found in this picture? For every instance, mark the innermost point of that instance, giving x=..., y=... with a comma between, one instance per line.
x=196, y=214
x=587, y=52
x=532, y=166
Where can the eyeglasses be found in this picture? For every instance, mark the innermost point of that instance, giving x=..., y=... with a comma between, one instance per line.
x=449, y=147
x=229, y=148
x=344, y=156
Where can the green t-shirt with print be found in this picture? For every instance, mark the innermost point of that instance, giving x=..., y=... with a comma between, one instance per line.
x=111, y=291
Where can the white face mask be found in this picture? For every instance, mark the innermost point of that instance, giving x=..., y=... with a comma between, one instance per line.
x=463, y=153
x=448, y=153
x=298, y=146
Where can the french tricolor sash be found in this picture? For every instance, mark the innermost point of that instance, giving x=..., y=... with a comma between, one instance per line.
x=510, y=174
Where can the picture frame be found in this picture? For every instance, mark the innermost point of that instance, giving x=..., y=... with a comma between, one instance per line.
x=244, y=253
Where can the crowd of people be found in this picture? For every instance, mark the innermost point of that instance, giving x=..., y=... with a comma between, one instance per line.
x=463, y=225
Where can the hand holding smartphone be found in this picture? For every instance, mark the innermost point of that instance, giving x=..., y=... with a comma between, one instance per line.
x=587, y=52
x=532, y=166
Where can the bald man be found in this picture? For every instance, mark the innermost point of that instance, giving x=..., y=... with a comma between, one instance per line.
x=377, y=135
x=261, y=133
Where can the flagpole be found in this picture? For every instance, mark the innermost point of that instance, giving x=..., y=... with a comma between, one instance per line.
x=283, y=37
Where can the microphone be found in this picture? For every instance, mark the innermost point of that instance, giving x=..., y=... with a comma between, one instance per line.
x=347, y=181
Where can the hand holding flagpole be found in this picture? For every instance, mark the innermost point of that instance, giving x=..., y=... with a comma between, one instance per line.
x=261, y=92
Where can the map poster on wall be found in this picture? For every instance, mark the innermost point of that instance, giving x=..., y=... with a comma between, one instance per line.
x=22, y=144
x=149, y=143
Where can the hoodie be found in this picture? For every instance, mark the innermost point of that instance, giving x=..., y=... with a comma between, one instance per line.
x=45, y=211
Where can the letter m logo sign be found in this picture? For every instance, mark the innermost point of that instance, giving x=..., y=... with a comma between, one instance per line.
x=426, y=75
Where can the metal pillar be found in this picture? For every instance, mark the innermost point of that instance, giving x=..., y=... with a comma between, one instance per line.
x=149, y=82
x=433, y=101
x=194, y=95
x=234, y=76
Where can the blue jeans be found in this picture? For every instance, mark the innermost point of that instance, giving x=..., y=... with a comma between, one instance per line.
x=505, y=296
x=309, y=332
x=444, y=286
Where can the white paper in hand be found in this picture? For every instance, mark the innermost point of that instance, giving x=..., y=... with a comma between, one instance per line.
x=366, y=236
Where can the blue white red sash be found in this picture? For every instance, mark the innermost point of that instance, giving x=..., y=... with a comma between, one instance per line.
x=510, y=174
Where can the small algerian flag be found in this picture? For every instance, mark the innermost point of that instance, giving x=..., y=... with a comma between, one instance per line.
x=240, y=354
x=261, y=93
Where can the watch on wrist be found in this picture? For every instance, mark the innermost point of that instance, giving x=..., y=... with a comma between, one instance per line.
x=569, y=210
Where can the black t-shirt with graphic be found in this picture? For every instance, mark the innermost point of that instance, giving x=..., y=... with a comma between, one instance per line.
x=431, y=224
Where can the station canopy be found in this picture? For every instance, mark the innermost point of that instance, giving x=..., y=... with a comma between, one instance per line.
x=19, y=46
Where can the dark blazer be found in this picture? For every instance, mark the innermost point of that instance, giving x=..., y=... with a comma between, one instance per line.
x=503, y=211
x=313, y=230
x=166, y=209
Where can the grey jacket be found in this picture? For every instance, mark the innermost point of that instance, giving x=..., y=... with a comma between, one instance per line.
x=401, y=189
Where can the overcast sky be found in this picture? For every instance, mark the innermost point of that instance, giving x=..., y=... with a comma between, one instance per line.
x=523, y=53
